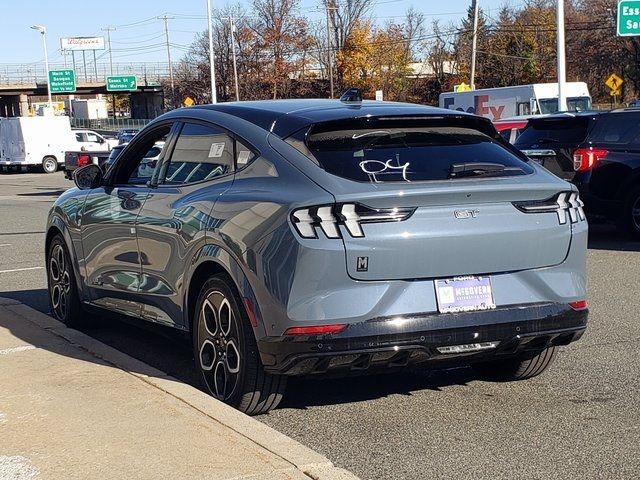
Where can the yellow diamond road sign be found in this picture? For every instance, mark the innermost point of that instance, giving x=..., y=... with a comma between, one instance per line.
x=614, y=82
x=188, y=101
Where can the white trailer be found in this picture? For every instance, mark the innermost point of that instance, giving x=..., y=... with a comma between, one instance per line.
x=35, y=141
x=506, y=102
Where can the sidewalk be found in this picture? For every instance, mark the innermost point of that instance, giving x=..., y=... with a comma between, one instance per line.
x=72, y=407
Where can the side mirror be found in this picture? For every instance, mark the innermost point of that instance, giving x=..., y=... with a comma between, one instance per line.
x=88, y=177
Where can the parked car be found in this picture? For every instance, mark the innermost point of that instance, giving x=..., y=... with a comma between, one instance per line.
x=599, y=153
x=91, y=141
x=510, y=128
x=305, y=237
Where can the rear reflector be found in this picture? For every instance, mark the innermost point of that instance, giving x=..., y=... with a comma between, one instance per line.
x=83, y=160
x=586, y=158
x=579, y=305
x=248, y=305
x=316, y=330
x=468, y=347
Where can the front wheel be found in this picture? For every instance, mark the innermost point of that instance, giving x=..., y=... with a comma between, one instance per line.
x=226, y=353
x=518, y=368
x=49, y=165
x=63, y=291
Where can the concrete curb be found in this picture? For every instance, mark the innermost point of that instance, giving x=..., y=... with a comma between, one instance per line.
x=309, y=462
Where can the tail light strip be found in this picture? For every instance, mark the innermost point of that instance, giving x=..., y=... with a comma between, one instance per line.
x=350, y=215
x=567, y=205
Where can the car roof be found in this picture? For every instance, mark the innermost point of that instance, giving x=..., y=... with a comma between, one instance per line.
x=284, y=117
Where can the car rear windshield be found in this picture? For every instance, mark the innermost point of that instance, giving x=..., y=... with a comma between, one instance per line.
x=408, y=154
x=618, y=129
x=554, y=130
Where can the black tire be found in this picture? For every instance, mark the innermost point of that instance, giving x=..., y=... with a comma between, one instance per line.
x=631, y=214
x=519, y=368
x=229, y=362
x=63, y=292
x=49, y=165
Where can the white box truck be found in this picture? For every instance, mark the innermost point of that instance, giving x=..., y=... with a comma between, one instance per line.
x=507, y=102
x=35, y=142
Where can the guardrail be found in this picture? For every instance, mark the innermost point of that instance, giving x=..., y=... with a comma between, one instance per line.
x=29, y=74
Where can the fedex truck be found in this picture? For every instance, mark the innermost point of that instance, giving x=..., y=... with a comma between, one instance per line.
x=506, y=102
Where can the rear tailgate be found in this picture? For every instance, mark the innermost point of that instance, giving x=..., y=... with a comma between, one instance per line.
x=551, y=141
x=403, y=213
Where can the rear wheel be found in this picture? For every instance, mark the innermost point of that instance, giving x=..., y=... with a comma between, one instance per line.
x=632, y=213
x=226, y=353
x=63, y=292
x=519, y=368
x=49, y=164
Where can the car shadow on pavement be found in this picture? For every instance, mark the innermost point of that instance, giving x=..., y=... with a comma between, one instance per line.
x=170, y=352
x=607, y=237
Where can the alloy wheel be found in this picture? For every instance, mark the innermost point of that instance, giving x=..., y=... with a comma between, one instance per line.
x=218, y=345
x=60, y=282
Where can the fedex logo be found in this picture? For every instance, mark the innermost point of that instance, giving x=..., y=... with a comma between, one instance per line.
x=480, y=107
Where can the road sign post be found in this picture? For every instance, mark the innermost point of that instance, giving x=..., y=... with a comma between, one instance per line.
x=121, y=83
x=628, y=18
x=62, y=81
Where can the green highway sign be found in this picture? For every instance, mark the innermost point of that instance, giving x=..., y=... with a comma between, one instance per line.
x=121, y=83
x=62, y=81
x=628, y=18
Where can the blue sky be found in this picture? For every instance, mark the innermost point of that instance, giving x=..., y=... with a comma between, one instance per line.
x=139, y=36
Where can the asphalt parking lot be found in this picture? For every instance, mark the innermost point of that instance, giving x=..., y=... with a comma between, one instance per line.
x=581, y=419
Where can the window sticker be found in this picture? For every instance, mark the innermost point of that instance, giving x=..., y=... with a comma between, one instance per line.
x=216, y=150
x=243, y=157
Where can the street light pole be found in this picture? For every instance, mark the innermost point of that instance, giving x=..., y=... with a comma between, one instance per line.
x=562, y=75
x=330, y=7
x=474, y=44
x=214, y=97
x=233, y=50
x=43, y=31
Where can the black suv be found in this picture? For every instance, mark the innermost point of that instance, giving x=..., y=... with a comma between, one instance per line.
x=599, y=153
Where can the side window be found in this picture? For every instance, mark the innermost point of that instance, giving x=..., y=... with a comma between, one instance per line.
x=524, y=108
x=201, y=152
x=619, y=128
x=79, y=137
x=92, y=137
x=138, y=167
x=244, y=155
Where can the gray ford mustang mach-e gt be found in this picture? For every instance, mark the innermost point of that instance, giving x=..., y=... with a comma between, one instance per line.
x=300, y=237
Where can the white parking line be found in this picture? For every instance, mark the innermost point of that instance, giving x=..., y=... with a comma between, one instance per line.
x=21, y=348
x=5, y=244
x=20, y=269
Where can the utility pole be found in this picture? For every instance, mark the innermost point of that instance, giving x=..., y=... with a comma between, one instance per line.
x=214, y=96
x=113, y=96
x=562, y=73
x=474, y=43
x=233, y=52
x=109, y=30
x=166, y=32
x=330, y=7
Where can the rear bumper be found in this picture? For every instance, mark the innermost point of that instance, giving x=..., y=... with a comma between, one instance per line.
x=399, y=341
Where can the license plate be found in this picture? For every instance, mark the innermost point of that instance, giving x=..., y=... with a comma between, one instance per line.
x=464, y=294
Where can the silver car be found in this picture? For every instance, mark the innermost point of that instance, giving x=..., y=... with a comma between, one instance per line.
x=305, y=237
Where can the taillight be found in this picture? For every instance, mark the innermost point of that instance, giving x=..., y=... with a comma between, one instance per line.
x=83, y=160
x=565, y=204
x=351, y=216
x=316, y=329
x=579, y=305
x=586, y=158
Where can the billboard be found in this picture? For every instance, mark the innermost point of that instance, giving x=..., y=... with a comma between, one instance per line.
x=82, y=43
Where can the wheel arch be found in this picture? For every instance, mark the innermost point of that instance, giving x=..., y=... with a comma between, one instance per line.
x=212, y=260
x=58, y=227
